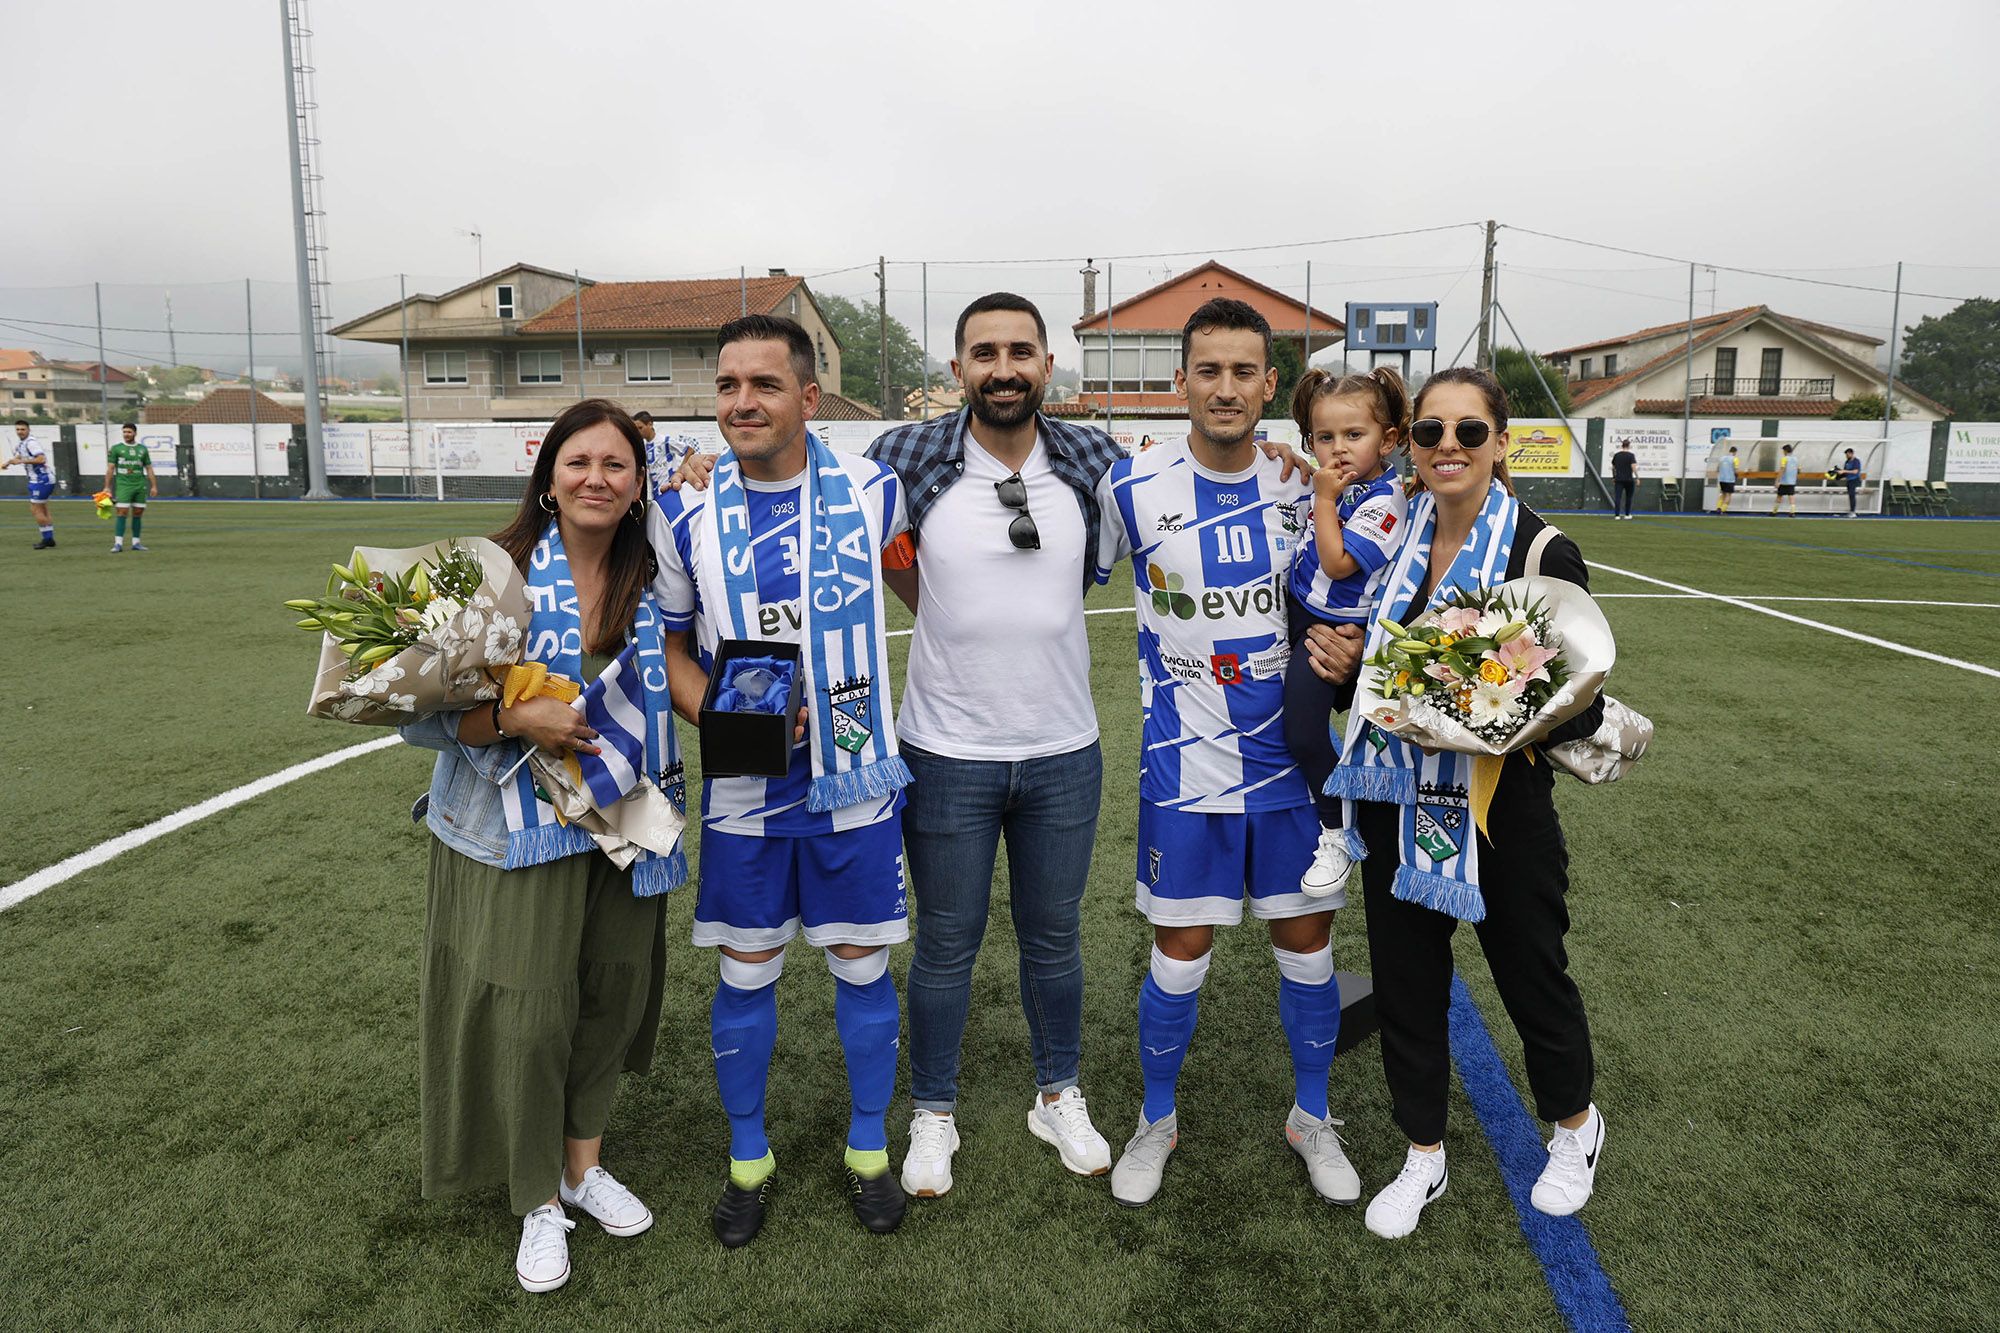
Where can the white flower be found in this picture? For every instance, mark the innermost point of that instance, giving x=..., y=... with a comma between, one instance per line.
x=1492, y=703
x=402, y=703
x=439, y=610
x=503, y=638
x=1490, y=623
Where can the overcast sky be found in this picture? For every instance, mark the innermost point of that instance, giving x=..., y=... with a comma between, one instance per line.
x=1825, y=140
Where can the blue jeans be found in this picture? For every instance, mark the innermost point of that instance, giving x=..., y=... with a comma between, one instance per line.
x=958, y=809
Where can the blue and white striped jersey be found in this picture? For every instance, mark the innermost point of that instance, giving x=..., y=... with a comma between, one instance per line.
x=1371, y=527
x=1209, y=555
x=39, y=474
x=758, y=807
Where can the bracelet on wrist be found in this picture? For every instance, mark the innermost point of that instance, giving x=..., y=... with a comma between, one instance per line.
x=498, y=729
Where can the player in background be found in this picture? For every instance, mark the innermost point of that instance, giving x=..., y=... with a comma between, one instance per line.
x=1353, y=425
x=1788, y=481
x=1209, y=524
x=1725, y=479
x=782, y=546
x=34, y=460
x=128, y=475
x=659, y=451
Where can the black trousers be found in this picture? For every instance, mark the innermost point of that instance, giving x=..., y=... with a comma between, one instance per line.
x=1523, y=879
x=1625, y=490
x=1309, y=709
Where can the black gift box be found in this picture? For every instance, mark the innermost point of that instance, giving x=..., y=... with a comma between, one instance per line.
x=749, y=745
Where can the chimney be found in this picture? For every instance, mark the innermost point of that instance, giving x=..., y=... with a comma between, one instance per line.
x=779, y=273
x=1089, y=288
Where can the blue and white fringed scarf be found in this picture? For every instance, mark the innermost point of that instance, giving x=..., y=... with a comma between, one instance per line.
x=1440, y=847
x=845, y=653
x=627, y=705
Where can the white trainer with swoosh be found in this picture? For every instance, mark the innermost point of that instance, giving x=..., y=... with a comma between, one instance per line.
x=1570, y=1176
x=1393, y=1213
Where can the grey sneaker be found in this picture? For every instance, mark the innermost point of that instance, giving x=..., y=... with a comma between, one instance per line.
x=1065, y=1124
x=1136, y=1178
x=1333, y=1177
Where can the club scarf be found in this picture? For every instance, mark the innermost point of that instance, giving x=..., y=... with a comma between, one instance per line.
x=852, y=733
x=627, y=705
x=1440, y=847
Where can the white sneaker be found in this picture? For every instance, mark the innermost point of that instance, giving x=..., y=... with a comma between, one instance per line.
x=609, y=1203
x=1393, y=1213
x=1571, y=1174
x=116, y=547
x=542, y=1262
x=1136, y=1178
x=1065, y=1123
x=927, y=1167
x=1332, y=1175
x=1326, y=877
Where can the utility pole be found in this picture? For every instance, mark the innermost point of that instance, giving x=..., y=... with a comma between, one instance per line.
x=1687, y=385
x=1889, y=391
x=1483, y=358
x=103, y=375
x=576, y=276
x=927, y=340
x=316, y=488
x=742, y=289
x=250, y=350
x=1306, y=364
x=173, y=356
x=882, y=310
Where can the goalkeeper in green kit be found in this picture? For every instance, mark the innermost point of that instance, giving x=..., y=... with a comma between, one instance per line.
x=128, y=475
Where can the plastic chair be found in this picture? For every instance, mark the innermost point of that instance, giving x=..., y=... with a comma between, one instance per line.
x=1899, y=494
x=1940, y=495
x=1670, y=489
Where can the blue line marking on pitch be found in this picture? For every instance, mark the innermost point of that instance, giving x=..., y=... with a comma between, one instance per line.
x=1569, y=1261
x=1842, y=550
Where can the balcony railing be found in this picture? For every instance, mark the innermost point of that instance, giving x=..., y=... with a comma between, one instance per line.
x=1752, y=386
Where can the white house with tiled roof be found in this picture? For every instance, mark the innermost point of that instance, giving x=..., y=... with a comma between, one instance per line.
x=1752, y=362
x=504, y=347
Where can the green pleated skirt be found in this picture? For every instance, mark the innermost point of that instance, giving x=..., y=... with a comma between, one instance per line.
x=540, y=986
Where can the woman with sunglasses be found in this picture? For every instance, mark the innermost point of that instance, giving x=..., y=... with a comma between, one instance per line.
x=1411, y=812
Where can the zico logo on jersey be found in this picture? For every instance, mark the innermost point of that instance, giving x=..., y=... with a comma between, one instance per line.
x=1259, y=599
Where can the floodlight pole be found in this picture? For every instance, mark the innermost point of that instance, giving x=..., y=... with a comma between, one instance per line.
x=1888, y=390
x=926, y=272
x=250, y=349
x=882, y=314
x=1110, y=351
x=409, y=420
x=1309, y=319
x=316, y=488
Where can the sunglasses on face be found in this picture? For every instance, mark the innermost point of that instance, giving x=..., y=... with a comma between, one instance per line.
x=1429, y=433
x=1013, y=493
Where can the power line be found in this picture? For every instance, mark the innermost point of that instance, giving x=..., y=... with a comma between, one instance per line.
x=1211, y=250
x=1729, y=268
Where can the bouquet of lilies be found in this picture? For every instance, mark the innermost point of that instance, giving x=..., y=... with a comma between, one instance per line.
x=410, y=632
x=1491, y=670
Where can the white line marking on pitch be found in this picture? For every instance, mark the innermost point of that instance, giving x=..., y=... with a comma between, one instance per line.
x=1844, y=601
x=1870, y=639
x=50, y=876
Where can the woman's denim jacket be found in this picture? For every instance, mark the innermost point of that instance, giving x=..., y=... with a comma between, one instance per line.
x=465, y=811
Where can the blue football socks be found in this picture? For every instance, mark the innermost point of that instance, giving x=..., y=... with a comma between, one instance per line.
x=868, y=1021
x=1311, y=1018
x=1166, y=1026
x=743, y=1024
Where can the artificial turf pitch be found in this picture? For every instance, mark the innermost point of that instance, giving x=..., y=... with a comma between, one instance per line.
x=1783, y=926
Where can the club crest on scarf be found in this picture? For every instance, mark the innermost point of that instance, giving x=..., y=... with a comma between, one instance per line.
x=849, y=700
x=1440, y=820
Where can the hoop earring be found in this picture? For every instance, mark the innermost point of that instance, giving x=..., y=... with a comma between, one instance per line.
x=634, y=514
x=543, y=500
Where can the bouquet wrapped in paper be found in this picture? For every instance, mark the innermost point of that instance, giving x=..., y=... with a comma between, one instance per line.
x=426, y=629
x=420, y=630
x=1493, y=670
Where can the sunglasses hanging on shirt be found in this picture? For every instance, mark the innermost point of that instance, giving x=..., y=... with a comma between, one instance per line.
x=1429, y=433
x=1013, y=493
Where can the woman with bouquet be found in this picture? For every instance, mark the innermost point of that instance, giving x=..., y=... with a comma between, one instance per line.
x=543, y=961
x=1430, y=860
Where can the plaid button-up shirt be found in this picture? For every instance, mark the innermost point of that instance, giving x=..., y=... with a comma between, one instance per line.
x=929, y=456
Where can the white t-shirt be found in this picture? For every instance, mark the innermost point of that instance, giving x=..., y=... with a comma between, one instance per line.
x=1000, y=661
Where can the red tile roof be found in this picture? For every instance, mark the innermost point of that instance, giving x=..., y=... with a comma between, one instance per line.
x=19, y=358
x=1711, y=321
x=229, y=405
x=1321, y=320
x=836, y=407
x=88, y=369
x=1740, y=407
x=658, y=307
